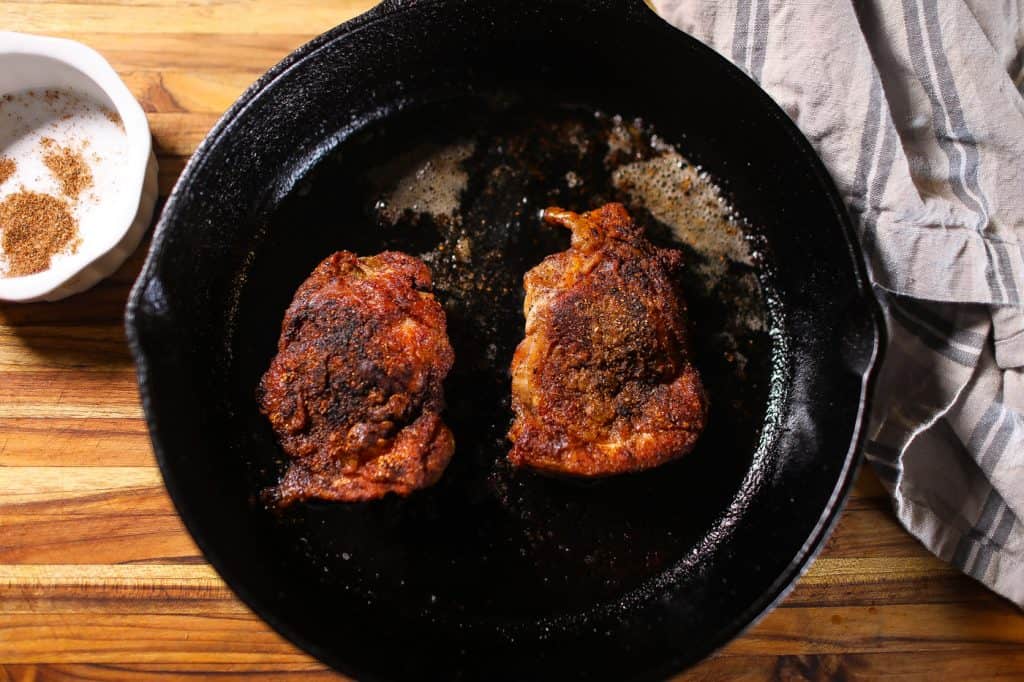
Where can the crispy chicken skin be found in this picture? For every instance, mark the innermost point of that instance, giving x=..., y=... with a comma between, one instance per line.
x=602, y=383
x=355, y=391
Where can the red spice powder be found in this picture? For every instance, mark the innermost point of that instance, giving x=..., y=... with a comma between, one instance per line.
x=34, y=227
x=7, y=168
x=68, y=166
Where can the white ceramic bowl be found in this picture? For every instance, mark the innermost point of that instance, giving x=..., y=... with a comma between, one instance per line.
x=36, y=62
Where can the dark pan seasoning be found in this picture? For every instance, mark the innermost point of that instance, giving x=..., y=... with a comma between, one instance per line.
x=488, y=544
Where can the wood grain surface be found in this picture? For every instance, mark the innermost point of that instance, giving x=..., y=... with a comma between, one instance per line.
x=98, y=578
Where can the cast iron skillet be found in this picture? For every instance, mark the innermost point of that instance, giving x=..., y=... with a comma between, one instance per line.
x=493, y=573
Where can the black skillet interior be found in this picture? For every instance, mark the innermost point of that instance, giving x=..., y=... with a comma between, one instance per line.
x=495, y=573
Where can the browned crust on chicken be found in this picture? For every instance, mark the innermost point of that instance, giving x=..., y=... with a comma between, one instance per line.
x=602, y=383
x=355, y=392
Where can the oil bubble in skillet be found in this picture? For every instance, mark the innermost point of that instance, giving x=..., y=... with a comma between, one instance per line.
x=489, y=544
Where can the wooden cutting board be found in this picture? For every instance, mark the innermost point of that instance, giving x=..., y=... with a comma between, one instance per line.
x=98, y=578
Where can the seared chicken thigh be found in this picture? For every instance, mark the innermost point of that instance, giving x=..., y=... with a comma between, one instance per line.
x=602, y=383
x=355, y=391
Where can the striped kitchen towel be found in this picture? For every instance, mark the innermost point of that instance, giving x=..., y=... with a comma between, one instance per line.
x=916, y=108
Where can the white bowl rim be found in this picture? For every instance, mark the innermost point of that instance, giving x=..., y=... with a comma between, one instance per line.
x=94, y=67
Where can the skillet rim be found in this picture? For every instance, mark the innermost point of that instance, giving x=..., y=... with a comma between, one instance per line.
x=852, y=460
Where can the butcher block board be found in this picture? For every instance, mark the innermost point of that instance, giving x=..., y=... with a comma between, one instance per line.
x=100, y=581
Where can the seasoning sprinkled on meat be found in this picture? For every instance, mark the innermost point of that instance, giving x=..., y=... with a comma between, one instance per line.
x=602, y=383
x=355, y=392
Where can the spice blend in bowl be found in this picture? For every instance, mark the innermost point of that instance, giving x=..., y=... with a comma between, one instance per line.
x=7, y=168
x=45, y=210
x=77, y=172
x=68, y=166
x=35, y=227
